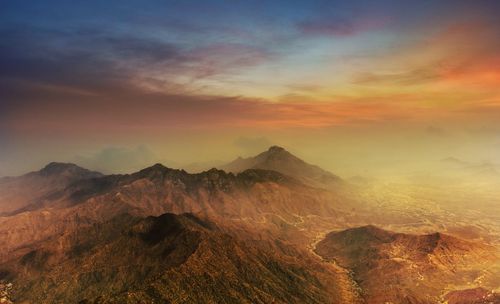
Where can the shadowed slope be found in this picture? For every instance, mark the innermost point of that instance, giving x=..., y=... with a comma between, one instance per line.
x=250, y=195
x=165, y=259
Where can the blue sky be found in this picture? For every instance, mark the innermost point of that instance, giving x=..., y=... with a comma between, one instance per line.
x=93, y=74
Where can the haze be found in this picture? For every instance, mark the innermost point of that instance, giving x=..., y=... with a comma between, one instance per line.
x=211, y=151
x=359, y=88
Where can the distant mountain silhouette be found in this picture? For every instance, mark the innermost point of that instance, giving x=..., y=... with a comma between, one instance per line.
x=280, y=160
x=18, y=192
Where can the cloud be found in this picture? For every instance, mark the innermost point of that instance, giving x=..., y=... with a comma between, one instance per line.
x=335, y=26
x=410, y=77
x=307, y=88
x=29, y=59
x=99, y=62
x=132, y=111
x=224, y=57
x=93, y=81
x=118, y=159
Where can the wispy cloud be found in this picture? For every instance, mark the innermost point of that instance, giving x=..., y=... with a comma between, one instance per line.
x=335, y=26
x=100, y=62
x=118, y=159
x=411, y=77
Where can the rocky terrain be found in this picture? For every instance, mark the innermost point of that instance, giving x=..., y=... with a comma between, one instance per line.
x=405, y=268
x=251, y=197
x=165, y=259
x=261, y=233
x=472, y=296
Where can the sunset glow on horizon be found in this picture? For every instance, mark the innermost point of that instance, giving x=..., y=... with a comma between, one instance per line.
x=368, y=82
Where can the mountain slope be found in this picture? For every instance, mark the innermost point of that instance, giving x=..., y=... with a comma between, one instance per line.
x=158, y=189
x=256, y=198
x=165, y=259
x=17, y=193
x=280, y=160
x=472, y=296
x=247, y=238
x=404, y=268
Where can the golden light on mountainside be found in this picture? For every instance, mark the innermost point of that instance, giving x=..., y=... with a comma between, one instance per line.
x=250, y=152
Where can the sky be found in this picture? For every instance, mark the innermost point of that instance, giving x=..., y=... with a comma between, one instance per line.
x=357, y=87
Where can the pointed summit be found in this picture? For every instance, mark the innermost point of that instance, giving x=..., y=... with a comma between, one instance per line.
x=278, y=159
x=276, y=153
x=157, y=167
x=155, y=171
x=276, y=149
x=279, y=153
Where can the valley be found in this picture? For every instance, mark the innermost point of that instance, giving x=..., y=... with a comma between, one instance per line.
x=258, y=235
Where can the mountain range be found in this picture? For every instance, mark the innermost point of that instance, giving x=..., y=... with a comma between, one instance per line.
x=258, y=231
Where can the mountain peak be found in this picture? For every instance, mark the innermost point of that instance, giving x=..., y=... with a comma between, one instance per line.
x=55, y=168
x=158, y=166
x=275, y=149
x=278, y=159
x=277, y=153
x=368, y=233
x=372, y=229
x=156, y=169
